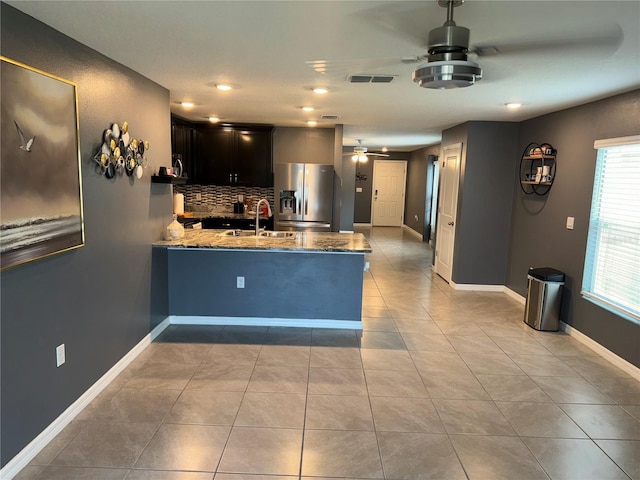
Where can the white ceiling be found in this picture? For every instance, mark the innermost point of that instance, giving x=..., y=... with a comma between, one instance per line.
x=260, y=47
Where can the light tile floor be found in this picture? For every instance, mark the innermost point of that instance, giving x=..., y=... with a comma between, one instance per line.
x=440, y=384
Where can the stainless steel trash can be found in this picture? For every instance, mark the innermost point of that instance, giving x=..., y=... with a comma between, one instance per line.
x=544, y=295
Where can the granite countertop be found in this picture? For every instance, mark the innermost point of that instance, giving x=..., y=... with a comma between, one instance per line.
x=303, y=241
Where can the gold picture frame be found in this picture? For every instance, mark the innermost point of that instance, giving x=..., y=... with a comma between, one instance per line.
x=41, y=212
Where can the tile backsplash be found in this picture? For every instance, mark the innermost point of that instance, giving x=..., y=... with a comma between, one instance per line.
x=220, y=197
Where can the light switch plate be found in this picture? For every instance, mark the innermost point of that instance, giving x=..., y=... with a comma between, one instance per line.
x=570, y=221
x=240, y=282
x=358, y=189
x=60, y=355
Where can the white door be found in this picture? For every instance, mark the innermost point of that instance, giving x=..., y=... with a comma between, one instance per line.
x=389, y=180
x=448, y=204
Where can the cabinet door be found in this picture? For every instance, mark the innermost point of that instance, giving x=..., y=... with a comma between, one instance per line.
x=214, y=156
x=253, y=158
x=182, y=144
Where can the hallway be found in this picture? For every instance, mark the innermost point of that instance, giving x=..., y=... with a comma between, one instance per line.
x=439, y=384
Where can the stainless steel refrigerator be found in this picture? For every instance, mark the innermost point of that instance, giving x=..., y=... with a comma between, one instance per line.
x=304, y=196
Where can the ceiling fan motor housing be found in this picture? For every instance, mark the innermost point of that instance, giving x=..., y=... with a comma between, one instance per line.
x=448, y=66
x=449, y=39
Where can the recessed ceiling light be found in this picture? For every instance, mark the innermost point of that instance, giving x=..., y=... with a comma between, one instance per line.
x=214, y=119
x=320, y=90
x=513, y=106
x=224, y=88
x=312, y=123
x=187, y=104
x=308, y=109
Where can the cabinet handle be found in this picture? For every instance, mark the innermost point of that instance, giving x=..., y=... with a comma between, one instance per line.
x=230, y=179
x=236, y=178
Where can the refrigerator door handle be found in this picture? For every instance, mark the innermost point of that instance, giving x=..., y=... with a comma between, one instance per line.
x=306, y=193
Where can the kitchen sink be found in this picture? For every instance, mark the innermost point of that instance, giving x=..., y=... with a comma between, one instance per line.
x=238, y=233
x=277, y=234
x=252, y=233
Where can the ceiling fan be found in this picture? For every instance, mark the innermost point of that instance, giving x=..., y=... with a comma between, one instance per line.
x=447, y=65
x=361, y=155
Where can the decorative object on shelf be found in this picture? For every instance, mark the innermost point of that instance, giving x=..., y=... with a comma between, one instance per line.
x=121, y=154
x=41, y=195
x=537, y=168
x=175, y=230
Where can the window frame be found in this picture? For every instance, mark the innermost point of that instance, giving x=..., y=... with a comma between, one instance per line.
x=593, y=247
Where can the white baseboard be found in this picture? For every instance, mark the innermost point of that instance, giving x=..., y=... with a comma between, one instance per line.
x=22, y=459
x=265, y=322
x=605, y=353
x=477, y=288
x=361, y=224
x=516, y=296
x=412, y=231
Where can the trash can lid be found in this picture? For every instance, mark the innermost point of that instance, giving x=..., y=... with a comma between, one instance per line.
x=547, y=274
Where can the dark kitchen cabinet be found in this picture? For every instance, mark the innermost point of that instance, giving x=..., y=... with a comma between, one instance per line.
x=214, y=156
x=182, y=144
x=253, y=164
x=236, y=156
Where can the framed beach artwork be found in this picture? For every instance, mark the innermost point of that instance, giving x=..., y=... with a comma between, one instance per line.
x=40, y=181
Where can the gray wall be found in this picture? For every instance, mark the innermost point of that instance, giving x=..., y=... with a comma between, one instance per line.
x=362, y=206
x=538, y=235
x=303, y=145
x=97, y=300
x=489, y=161
x=345, y=178
x=487, y=169
x=419, y=183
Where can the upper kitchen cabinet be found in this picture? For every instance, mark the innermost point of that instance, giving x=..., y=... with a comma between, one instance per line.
x=213, y=152
x=182, y=143
x=239, y=156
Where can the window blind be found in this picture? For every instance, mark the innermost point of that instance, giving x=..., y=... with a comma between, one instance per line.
x=612, y=260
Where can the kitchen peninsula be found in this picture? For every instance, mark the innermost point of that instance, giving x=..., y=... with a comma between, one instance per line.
x=311, y=279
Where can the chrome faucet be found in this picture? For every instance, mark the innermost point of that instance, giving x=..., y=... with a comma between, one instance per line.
x=258, y=213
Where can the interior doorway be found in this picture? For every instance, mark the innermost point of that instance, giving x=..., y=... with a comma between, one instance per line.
x=447, y=209
x=389, y=184
x=431, y=200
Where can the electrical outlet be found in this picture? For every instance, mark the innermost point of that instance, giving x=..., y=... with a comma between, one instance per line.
x=60, y=355
x=358, y=189
x=570, y=221
x=198, y=196
x=239, y=282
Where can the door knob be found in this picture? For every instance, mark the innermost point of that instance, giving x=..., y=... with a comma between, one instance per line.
x=450, y=224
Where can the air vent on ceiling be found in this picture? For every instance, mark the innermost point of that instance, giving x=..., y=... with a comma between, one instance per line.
x=330, y=117
x=371, y=78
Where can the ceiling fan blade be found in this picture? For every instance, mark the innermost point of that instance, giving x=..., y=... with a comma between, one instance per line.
x=410, y=21
x=353, y=65
x=606, y=39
